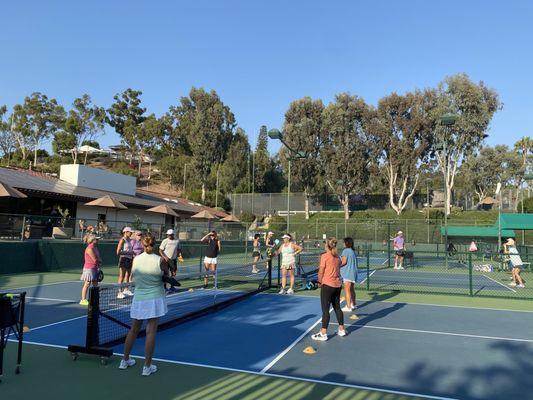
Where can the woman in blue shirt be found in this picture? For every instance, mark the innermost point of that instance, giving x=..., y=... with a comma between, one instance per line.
x=349, y=273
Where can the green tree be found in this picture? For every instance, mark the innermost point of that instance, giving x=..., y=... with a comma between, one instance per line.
x=7, y=138
x=524, y=147
x=261, y=162
x=35, y=121
x=233, y=171
x=64, y=141
x=403, y=132
x=126, y=115
x=84, y=122
x=208, y=125
x=346, y=152
x=475, y=105
x=303, y=133
x=92, y=143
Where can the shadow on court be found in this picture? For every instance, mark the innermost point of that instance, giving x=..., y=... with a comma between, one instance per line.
x=496, y=381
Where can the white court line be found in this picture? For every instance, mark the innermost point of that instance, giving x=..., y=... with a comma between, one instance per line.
x=243, y=371
x=439, y=333
x=42, y=284
x=368, y=276
x=49, y=299
x=57, y=323
x=289, y=348
x=499, y=283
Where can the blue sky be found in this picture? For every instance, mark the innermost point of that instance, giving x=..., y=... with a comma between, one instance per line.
x=261, y=55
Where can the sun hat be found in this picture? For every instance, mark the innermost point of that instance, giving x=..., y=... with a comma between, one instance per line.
x=170, y=232
x=127, y=229
x=510, y=241
x=286, y=236
x=270, y=233
x=400, y=232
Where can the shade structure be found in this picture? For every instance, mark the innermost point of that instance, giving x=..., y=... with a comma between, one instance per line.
x=8, y=191
x=107, y=202
x=163, y=209
x=204, y=214
x=230, y=218
x=488, y=201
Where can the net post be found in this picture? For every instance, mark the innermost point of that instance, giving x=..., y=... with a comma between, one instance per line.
x=92, y=336
x=470, y=286
x=367, y=270
x=21, y=332
x=269, y=266
x=200, y=263
x=279, y=270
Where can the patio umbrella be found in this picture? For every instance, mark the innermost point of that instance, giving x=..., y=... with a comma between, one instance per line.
x=204, y=214
x=107, y=202
x=8, y=191
x=163, y=209
x=230, y=218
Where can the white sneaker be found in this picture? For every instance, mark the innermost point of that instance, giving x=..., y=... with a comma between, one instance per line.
x=127, y=292
x=512, y=284
x=354, y=308
x=346, y=309
x=282, y=291
x=521, y=286
x=290, y=291
x=400, y=267
x=255, y=271
x=320, y=336
x=121, y=295
x=149, y=370
x=341, y=333
x=126, y=363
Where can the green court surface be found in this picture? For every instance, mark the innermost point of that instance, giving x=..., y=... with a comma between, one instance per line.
x=47, y=373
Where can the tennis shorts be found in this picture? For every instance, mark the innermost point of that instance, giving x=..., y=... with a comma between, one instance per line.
x=287, y=266
x=400, y=253
x=124, y=262
x=256, y=254
x=210, y=260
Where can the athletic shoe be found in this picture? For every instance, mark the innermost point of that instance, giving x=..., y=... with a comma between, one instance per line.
x=149, y=370
x=84, y=302
x=400, y=267
x=126, y=363
x=346, y=309
x=282, y=291
x=255, y=271
x=121, y=295
x=521, y=286
x=128, y=292
x=322, y=337
x=354, y=308
x=512, y=284
x=341, y=333
x=290, y=291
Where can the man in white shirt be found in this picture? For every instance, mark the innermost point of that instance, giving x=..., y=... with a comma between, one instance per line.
x=170, y=251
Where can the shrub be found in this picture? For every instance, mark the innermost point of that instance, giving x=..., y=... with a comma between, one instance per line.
x=528, y=205
x=277, y=223
x=247, y=217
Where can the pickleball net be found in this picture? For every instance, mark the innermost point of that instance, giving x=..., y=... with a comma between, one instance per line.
x=108, y=317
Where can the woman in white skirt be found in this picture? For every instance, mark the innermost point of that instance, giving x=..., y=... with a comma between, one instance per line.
x=149, y=303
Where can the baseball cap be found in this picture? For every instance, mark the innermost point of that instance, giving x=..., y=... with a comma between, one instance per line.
x=285, y=236
x=127, y=229
x=170, y=232
x=400, y=232
x=270, y=233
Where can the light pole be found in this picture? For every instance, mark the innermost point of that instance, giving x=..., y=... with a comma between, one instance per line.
x=447, y=120
x=277, y=135
x=499, y=194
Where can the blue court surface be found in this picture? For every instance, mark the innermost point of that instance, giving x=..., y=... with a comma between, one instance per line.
x=424, y=350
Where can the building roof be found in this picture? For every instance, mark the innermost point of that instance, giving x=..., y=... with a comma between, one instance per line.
x=36, y=183
x=516, y=221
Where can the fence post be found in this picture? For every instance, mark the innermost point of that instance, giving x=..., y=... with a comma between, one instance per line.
x=279, y=271
x=375, y=231
x=470, y=274
x=367, y=269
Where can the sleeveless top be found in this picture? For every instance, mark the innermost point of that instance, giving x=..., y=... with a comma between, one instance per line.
x=147, y=274
x=137, y=247
x=127, y=247
x=287, y=255
x=258, y=246
x=89, y=263
x=212, y=248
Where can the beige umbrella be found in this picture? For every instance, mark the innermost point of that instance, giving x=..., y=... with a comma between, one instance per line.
x=204, y=214
x=163, y=209
x=8, y=191
x=230, y=218
x=107, y=202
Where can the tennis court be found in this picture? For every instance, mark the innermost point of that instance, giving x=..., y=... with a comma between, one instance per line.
x=393, y=349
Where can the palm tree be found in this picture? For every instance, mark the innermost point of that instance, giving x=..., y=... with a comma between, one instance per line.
x=524, y=147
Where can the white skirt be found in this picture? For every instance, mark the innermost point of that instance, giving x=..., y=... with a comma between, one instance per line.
x=147, y=309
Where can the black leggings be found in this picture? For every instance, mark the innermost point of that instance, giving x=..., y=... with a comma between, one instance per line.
x=331, y=296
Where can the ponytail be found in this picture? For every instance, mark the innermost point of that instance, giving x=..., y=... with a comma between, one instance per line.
x=331, y=244
x=148, y=241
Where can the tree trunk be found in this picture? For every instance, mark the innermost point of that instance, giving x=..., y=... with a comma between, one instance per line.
x=346, y=206
x=306, y=206
x=140, y=163
x=85, y=158
x=203, y=192
x=35, y=153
